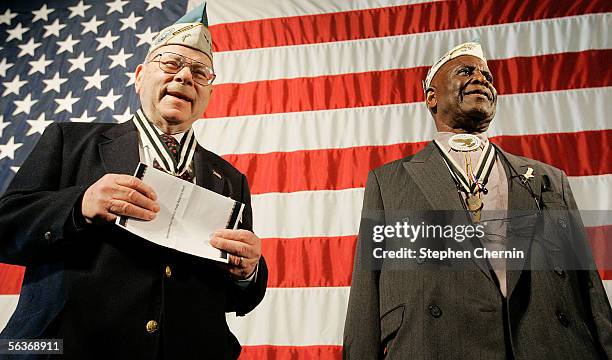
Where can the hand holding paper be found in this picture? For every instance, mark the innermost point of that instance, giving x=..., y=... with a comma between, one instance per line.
x=188, y=215
x=244, y=248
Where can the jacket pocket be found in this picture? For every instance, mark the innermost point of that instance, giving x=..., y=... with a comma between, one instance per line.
x=390, y=323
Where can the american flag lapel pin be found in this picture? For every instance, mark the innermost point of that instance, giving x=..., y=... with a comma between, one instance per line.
x=217, y=174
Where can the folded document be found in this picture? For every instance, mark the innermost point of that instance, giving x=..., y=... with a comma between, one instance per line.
x=188, y=215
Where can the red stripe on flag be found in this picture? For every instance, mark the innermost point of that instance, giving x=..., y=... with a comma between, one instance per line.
x=11, y=277
x=391, y=21
x=322, y=261
x=327, y=261
x=319, y=352
x=600, y=238
x=578, y=154
x=513, y=76
x=336, y=169
x=310, y=262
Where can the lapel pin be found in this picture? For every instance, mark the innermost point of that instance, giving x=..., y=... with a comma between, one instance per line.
x=528, y=174
x=217, y=174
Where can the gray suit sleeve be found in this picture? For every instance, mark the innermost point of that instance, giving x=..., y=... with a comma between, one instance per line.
x=362, y=325
x=595, y=297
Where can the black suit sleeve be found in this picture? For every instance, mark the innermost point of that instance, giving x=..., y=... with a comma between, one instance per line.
x=35, y=213
x=243, y=300
x=362, y=326
x=593, y=291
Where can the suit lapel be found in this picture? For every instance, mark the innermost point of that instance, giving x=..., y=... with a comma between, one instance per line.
x=522, y=211
x=429, y=171
x=119, y=151
x=207, y=173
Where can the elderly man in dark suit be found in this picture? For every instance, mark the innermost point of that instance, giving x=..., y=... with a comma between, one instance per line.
x=105, y=292
x=542, y=298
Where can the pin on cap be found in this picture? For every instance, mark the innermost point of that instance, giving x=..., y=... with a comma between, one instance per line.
x=469, y=48
x=191, y=30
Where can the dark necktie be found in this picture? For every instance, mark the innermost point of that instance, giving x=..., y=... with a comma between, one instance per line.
x=174, y=148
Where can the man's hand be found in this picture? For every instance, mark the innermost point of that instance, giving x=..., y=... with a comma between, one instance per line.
x=115, y=195
x=244, y=248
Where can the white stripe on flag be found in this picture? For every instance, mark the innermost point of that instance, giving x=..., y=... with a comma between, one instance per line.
x=228, y=11
x=338, y=212
x=584, y=32
x=294, y=316
x=555, y=111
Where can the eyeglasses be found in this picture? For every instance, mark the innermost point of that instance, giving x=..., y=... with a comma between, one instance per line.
x=172, y=63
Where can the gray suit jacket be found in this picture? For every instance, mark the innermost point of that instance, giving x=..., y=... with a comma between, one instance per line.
x=430, y=312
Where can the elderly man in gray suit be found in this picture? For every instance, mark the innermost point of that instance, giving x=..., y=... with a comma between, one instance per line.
x=435, y=298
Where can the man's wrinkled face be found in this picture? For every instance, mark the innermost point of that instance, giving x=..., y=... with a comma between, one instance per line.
x=464, y=96
x=172, y=98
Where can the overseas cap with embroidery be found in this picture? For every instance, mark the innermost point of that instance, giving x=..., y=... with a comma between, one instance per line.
x=468, y=48
x=191, y=30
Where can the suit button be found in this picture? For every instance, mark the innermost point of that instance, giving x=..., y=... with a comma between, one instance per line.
x=562, y=222
x=152, y=326
x=559, y=271
x=48, y=236
x=420, y=260
x=563, y=319
x=168, y=271
x=435, y=311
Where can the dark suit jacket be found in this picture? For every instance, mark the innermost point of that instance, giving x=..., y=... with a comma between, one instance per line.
x=98, y=286
x=430, y=311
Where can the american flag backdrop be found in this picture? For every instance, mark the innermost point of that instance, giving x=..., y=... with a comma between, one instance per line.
x=310, y=95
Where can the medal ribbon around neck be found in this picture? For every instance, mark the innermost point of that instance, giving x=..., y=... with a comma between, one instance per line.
x=150, y=137
x=480, y=177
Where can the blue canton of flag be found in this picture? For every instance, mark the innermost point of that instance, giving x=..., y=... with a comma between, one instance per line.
x=70, y=61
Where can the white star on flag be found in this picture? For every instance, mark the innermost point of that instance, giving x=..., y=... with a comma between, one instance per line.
x=54, y=28
x=106, y=41
x=131, y=77
x=146, y=38
x=54, y=84
x=16, y=33
x=25, y=105
x=39, y=125
x=8, y=150
x=66, y=103
x=83, y=118
x=95, y=80
x=42, y=14
x=3, y=124
x=78, y=10
x=91, y=25
x=14, y=86
x=108, y=101
x=67, y=45
x=28, y=48
x=119, y=59
x=79, y=62
x=127, y=115
x=154, y=4
x=7, y=17
x=116, y=5
x=39, y=65
x=130, y=22
x=4, y=66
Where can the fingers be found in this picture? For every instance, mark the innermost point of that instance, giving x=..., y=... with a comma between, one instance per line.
x=244, y=248
x=233, y=247
x=118, y=195
x=136, y=184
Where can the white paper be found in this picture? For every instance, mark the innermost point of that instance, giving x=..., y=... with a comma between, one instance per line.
x=188, y=215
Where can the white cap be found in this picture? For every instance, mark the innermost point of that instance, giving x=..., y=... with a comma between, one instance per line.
x=191, y=30
x=469, y=48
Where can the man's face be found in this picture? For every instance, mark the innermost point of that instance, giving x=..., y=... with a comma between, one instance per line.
x=172, y=98
x=464, y=97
